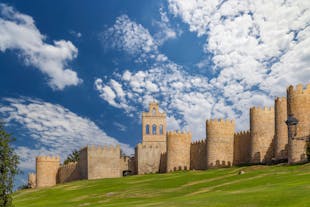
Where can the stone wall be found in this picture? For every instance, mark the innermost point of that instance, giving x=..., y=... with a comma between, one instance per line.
x=68, y=173
x=281, y=133
x=103, y=162
x=46, y=170
x=32, y=180
x=299, y=105
x=220, y=142
x=149, y=155
x=178, y=151
x=242, y=143
x=198, y=155
x=262, y=126
x=83, y=163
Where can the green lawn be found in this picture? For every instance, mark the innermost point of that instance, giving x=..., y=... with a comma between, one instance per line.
x=259, y=186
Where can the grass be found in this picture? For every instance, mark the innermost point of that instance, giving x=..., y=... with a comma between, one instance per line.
x=259, y=186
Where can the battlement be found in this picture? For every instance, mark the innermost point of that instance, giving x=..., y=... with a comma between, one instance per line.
x=149, y=146
x=262, y=109
x=280, y=99
x=179, y=134
x=220, y=121
x=242, y=133
x=298, y=89
x=48, y=159
x=198, y=142
x=69, y=165
x=103, y=149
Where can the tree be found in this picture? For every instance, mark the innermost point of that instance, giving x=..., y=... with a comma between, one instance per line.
x=8, y=167
x=73, y=157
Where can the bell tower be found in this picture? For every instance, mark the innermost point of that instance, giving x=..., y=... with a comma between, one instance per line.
x=153, y=124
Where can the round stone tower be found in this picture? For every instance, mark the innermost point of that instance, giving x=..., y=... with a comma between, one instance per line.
x=178, y=151
x=281, y=134
x=298, y=105
x=220, y=142
x=262, y=129
x=47, y=168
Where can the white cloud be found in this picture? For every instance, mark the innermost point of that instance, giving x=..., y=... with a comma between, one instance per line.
x=19, y=33
x=53, y=129
x=256, y=52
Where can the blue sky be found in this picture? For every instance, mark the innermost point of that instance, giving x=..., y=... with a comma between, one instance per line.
x=75, y=73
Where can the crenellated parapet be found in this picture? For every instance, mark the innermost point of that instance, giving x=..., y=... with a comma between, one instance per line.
x=103, y=149
x=220, y=142
x=48, y=159
x=298, y=105
x=178, y=150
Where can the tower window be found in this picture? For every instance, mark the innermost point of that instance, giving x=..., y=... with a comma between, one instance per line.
x=154, y=112
x=154, y=129
x=161, y=129
x=147, y=129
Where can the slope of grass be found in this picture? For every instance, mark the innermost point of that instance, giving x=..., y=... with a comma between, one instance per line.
x=259, y=186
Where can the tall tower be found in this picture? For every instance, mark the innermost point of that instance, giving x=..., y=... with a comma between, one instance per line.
x=298, y=105
x=151, y=153
x=220, y=143
x=154, y=125
x=47, y=168
x=281, y=135
x=262, y=134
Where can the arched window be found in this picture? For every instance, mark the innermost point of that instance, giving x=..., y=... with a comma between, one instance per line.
x=147, y=129
x=161, y=129
x=154, y=129
x=154, y=112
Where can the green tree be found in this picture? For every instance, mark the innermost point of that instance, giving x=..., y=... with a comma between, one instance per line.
x=8, y=167
x=73, y=157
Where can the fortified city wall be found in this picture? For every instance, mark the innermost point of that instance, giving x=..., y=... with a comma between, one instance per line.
x=298, y=104
x=178, y=151
x=242, y=143
x=262, y=126
x=68, y=173
x=281, y=132
x=220, y=142
x=199, y=155
x=109, y=159
x=46, y=170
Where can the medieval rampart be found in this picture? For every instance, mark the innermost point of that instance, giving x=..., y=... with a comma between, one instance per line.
x=198, y=155
x=32, y=180
x=109, y=159
x=242, y=143
x=46, y=170
x=299, y=106
x=178, y=151
x=220, y=142
x=281, y=133
x=262, y=124
x=68, y=172
x=149, y=155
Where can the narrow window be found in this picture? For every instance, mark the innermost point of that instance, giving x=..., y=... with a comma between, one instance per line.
x=154, y=112
x=154, y=129
x=147, y=129
x=161, y=129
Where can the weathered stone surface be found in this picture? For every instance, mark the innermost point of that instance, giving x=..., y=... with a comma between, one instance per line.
x=220, y=143
x=46, y=170
x=262, y=126
x=242, y=143
x=281, y=133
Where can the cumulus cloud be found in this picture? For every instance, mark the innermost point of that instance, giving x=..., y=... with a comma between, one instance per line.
x=53, y=129
x=19, y=33
x=258, y=49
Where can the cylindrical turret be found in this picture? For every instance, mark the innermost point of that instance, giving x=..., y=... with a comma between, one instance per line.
x=178, y=151
x=262, y=130
x=220, y=142
x=31, y=180
x=281, y=134
x=298, y=105
x=47, y=168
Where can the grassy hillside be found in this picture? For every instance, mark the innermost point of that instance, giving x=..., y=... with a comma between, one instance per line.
x=259, y=186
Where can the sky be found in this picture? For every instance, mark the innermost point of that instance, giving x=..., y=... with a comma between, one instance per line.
x=77, y=73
